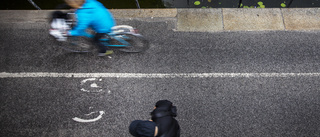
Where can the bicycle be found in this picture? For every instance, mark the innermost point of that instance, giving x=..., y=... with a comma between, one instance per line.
x=122, y=37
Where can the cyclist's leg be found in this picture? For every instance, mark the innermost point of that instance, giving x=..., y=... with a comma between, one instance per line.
x=103, y=50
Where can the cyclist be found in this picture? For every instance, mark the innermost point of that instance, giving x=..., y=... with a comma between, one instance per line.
x=91, y=13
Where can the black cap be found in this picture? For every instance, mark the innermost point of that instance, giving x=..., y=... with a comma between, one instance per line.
x=164, y=104
x=139, y=128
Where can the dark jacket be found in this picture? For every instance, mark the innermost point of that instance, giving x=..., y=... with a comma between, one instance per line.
x=163, y=116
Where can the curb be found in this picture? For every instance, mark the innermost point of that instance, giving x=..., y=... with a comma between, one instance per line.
x=203, y=20
x=233, y=19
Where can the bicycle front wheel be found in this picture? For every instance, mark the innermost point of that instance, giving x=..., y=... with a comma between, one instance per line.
x=135, y=43
x=77, y=44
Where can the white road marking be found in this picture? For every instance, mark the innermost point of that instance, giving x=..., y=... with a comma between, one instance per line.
x=93, y=86
x=89, y=79
x=150, y=75
x=89, y=120
x=84, y=90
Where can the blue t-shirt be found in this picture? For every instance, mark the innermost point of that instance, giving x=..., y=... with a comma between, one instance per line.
x=94, y=15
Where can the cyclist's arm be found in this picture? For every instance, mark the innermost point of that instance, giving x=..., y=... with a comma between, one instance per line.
x=83, y=22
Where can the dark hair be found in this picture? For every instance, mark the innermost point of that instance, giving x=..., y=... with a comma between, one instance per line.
x=164, y=108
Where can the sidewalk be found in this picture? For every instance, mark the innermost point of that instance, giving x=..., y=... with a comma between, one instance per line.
x=204, y=20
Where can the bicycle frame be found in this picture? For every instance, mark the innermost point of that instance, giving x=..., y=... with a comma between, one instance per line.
x=118, y=38
x=117, y=35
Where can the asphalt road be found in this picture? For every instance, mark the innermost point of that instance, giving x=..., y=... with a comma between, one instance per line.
x=269, y=105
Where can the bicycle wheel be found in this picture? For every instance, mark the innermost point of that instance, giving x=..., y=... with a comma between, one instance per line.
x=135, y=43
x=76, y=44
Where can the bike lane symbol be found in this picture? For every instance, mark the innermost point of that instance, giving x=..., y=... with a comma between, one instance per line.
x=90, y=85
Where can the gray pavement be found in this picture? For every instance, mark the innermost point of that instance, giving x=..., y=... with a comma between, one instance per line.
x=212, y=106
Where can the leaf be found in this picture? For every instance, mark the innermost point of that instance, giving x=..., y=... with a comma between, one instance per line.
x=197, y=3
x=260, y=3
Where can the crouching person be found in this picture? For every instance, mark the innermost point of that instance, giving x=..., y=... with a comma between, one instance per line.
x=163, y=115
x=162, y=123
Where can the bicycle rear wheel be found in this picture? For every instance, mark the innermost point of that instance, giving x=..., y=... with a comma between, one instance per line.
x=137, y=43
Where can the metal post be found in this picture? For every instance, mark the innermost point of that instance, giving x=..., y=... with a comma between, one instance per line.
x=137, y=3
x=35, y=5
x=289, y=3
x=240, y=1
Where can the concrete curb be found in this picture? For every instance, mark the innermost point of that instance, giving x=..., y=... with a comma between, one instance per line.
x=203, y=20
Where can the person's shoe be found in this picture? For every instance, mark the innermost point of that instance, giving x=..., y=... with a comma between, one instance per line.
x=108, y=52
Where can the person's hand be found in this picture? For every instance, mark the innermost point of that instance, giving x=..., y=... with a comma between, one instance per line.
x=65, y=33
x=58, y=35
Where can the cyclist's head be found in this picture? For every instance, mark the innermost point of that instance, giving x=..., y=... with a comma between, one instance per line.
x=75, y=3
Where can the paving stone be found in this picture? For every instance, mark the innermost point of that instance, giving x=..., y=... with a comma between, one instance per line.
x=204, y=20
x=143, y=13
x=252, y=19
x=302, y=19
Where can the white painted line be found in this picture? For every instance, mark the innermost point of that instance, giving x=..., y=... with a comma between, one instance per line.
x=89, y=120
x=151, y=75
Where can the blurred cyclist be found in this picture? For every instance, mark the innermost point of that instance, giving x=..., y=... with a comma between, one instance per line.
x=91, y=13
